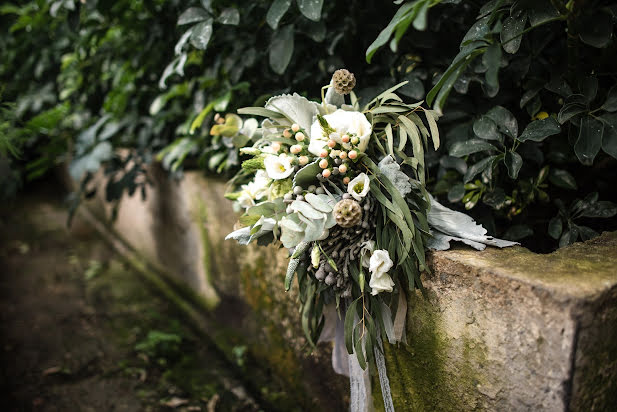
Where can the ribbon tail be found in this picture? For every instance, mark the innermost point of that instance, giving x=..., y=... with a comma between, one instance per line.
x=383, y=378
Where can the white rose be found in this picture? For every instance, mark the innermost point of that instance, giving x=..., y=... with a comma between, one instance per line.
x=278, y=167
x=343, y=122
x=359, y=187
x=380, y=264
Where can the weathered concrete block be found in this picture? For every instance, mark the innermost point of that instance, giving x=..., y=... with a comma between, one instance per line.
x=512, y=330
x=497, y=330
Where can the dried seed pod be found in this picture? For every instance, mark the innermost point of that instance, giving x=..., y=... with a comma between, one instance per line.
x=330, y=279
x=343, y=81
x=347, y=213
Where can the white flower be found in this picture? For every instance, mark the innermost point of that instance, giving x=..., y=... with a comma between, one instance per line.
x=278, y=167
x=254, y=190
x=359, y=187
x=380, y=264
x=343, y=122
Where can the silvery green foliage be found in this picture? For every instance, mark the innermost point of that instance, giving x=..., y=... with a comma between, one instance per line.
x=246, y=235
x=309, y=220
x=392, y=171
x=295, y=108
x=447, y=224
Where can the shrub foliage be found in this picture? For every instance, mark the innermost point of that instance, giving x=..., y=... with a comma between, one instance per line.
x=528, y=92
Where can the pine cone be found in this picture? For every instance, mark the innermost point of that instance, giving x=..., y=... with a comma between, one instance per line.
x=347, y=213
x=343, y=81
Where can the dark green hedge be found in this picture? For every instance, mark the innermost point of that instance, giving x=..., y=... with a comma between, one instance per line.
x=527, y=90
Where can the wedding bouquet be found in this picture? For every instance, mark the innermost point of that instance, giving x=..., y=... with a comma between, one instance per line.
x=343, y=188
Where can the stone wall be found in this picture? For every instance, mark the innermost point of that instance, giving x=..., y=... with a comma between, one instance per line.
x=497, y=330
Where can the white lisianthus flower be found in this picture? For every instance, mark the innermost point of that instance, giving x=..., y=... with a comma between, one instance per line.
x=254, y=190
x=365, y=252
x=359, y=187
x=278, y=167
x=380, y=264
x=343, y=122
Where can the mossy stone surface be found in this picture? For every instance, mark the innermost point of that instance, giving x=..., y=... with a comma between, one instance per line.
x=511, y=330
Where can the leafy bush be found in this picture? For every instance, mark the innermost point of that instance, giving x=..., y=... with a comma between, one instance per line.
x=530, y=109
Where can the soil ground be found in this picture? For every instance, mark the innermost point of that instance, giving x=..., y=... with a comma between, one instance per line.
x=80, y=331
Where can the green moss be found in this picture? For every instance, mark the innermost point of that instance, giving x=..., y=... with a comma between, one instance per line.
x=272, y=349
x=420, y=372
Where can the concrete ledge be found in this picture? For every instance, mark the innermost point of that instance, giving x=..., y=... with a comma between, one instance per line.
x=497, y=330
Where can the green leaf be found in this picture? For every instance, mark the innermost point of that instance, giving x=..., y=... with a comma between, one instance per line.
x=350, y=316
x=467, y=147
x=589, y=140
x=486, y=128
x=596, y=29
x=513, y=162
x=573, y=105
x=588, y=86
x=610, y=104
x=511, y=33
x=385, y=34
x=601, y=209
x=230, y=16
x=431, y=117
x=456, y=193
x=281, y=48
x=609, y=136
x=276, y=12
x=420, y=20
x=200, y=37
x=479, y=167
x=492, y=61
x=192, y=15
x=390, y=139
x=505, y=120
x=518, y=232
x=539, y=130
x=563, y=179
x=311, y=9
x=291, y=270
x=359, y=350
x=555, y=226
x=307, y=175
